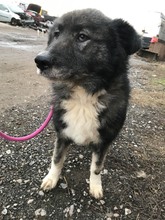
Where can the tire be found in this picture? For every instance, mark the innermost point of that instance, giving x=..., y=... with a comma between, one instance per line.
x=13, y=22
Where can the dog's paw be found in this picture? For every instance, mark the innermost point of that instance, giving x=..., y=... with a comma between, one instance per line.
x=96, y=191
x=49, y=182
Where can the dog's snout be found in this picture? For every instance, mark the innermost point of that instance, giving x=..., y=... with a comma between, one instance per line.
x=43, y=61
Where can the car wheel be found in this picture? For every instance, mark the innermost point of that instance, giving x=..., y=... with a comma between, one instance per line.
x=13, y=22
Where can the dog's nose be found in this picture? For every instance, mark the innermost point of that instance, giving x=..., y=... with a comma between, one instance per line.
x=43, y=61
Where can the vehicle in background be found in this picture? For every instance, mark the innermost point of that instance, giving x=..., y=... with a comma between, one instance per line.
x=36, y=12
x=7, y=15
x=26, y=19
x=37, y=8
x=42, y=21
x=36, y=17
x=14, y=15
x=41, y=18
x=30, y=15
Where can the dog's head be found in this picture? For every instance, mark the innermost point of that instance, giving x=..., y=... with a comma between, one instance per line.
x=86, y=44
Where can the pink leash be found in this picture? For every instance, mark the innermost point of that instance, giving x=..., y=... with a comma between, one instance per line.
x=32, y=135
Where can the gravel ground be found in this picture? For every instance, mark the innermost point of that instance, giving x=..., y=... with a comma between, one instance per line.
x=134, y=172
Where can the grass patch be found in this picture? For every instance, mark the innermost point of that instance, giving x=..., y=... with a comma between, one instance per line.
x=159, y=81
x=148, y=98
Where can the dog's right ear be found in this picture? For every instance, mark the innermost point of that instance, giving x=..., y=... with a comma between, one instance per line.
x=128, y=37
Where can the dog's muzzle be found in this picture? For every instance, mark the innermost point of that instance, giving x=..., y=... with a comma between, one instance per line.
x=43, y=61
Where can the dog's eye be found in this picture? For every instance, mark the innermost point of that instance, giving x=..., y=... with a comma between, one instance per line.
x=56, y=33
x=82, y=37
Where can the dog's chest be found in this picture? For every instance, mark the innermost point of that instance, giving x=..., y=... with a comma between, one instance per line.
x=81, y=117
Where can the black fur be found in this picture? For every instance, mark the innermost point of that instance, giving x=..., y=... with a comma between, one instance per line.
x=87, y=49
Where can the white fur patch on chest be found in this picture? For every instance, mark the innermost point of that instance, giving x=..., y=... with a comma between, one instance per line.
x=81, y=116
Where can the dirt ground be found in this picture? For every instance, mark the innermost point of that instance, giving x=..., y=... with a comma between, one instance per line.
x=134, y=172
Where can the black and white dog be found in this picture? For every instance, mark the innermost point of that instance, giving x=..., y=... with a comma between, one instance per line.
x=86, y=60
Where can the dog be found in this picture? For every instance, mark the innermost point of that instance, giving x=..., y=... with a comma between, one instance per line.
x=86, y=60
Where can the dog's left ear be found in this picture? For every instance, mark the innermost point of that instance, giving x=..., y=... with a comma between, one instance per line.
x=128, y=37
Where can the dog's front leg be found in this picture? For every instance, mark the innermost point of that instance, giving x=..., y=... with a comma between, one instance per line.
x=51, y=179
x=97, y=163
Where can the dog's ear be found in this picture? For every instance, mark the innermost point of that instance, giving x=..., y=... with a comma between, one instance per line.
x=128, y=37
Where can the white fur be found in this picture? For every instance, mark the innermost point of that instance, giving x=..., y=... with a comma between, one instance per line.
x=38, y=71
x=51, y=179
x=81, y=116
x=95, y=186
